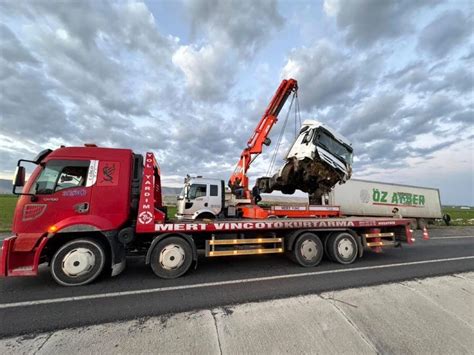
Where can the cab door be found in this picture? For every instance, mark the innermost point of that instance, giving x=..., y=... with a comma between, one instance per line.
x=61, y=190
x=215, y=198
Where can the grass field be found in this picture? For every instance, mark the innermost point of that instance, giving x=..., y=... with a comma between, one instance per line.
x=7, y=205
x=459, y=216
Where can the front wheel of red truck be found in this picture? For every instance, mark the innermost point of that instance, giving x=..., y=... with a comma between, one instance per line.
x=171, y=258
x=78, y=262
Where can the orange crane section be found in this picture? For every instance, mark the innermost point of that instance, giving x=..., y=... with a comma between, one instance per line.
x=260, y=135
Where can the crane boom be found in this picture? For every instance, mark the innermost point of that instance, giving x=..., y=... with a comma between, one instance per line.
x=260, y=135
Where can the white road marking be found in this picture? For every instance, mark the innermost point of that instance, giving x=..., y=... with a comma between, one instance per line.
x=222, y=283
x=455, y=237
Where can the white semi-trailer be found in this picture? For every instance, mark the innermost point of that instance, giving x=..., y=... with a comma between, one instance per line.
x=371, y=198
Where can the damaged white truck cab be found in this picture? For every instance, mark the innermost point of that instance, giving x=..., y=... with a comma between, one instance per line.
x=319, y=159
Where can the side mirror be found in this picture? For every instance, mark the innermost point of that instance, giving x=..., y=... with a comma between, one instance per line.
x=19, y=179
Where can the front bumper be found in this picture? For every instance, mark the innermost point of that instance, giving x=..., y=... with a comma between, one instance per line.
x=19, y=263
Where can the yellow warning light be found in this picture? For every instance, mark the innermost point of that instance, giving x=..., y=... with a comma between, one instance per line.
x=211, y=253
x=52, y=229
x=280, y=250
x=235, y=251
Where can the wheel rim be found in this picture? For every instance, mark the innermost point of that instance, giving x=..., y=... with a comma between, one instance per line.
x=77, y=262
x=345, y=248
x=172, y=257
x=309, y=250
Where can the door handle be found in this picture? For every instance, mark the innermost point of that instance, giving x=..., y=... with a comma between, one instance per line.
x=81, y=207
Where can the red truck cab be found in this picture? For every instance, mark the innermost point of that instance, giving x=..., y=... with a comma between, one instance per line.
x=72, y=190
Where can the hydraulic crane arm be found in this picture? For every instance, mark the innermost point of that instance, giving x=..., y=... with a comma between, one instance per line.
x=260, y=135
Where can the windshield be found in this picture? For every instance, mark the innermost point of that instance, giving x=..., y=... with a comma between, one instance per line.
x=60, y=174
x=197, y=190
x=333, y=146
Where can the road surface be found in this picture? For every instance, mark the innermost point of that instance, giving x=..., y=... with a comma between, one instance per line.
x=34, y=305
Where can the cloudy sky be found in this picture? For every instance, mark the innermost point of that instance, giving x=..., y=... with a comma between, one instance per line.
x=189, y=81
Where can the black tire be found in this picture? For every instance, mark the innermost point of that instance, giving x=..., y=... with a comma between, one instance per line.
x=205, y=215
x=343, y=248
x=78, y=262
x=308, y=250
x=327, y=243
x=171, y=258
x=421, y=223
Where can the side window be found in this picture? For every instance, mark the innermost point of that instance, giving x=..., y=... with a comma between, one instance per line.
x=61, y=174
x=197, y=190
x=72, y=176
x=308, y=136
x=214, y=189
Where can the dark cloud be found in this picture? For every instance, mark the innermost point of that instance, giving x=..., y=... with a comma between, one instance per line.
x=447, y=31
x=325, y=75
x=365, y=22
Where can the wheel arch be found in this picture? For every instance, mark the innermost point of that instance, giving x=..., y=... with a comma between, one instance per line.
x=115, y=252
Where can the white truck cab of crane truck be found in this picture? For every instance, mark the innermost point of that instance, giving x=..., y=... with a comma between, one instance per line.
x=201, y=198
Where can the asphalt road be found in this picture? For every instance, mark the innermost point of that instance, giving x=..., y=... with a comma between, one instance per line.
x=34, y=305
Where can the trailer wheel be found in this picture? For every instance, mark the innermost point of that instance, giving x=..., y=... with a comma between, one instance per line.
x=421, y=223
x=171, y=258
x=78, y=262
x=308, y=250
x=342, y=248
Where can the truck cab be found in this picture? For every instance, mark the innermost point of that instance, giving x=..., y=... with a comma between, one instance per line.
x=319, y=141
x=201, y=198
x=319, y=159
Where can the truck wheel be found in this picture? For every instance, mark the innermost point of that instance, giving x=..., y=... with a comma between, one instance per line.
x=78, y=262
x=171, y=258
x=308, y=250
x=327, y=243
x=422, y=223
x=342, y=248
x=205, y=215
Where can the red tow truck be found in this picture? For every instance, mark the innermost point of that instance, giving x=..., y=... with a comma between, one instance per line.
x=84, y=209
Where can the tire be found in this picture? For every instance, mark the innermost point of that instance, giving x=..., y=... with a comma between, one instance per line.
x=205, y=215
x=171, y=258
x=328, y=242
x=421, y=223
x=78, y=262
x=308, y=250
x=343, y=248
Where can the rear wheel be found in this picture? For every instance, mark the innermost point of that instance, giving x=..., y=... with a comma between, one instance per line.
x=78, y=262
x=342, y=248
x=171, y=258
x=308, y=250
x=422, y=223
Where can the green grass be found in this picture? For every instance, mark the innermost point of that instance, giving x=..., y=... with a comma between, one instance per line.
x=171, y=211
x=7, y=206
x=460, y=217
